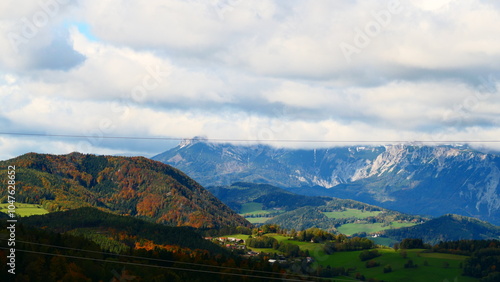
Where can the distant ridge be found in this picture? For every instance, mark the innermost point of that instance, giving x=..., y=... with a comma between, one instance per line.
x=449, y=227
x=426, y=180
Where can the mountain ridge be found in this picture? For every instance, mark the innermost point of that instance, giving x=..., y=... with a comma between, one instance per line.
x=429, y=180
x=134, y=186
x=449, y=227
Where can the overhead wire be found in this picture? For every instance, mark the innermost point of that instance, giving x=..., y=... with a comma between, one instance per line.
x=243, y=140
x=215, y=140
x=158, y=260
x=138, y=257
x=157, y=266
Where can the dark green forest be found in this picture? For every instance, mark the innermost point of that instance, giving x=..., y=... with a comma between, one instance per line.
x=446, y=228
x=42, y=255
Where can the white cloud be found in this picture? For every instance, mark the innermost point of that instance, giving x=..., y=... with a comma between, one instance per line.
x=32, y=31
x=254, y=70
x=431, y=5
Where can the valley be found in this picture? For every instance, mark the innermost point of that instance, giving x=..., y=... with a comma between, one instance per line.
x=132, y=205
x=250, y=141
x=267, y=204
x=348, y=265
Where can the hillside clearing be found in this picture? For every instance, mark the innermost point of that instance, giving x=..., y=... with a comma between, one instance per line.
x=24, y=209
x=352, y=213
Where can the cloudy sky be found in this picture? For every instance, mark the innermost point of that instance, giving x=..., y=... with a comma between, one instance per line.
x=324, y=70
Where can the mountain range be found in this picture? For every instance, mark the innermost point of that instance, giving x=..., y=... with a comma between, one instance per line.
x=426, y=180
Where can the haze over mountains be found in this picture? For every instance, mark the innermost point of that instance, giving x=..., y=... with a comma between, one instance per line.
x=428, y=180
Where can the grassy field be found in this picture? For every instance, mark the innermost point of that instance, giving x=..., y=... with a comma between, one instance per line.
x=239, y=236
x=24, y=209
x=252, y=208
x=443, y=256
x=431, y=266
x=348, y=213
x=303, y=245
x=440, y=267
x=312, y=247
x=257, y=219
x=402, y=224
x=244, y=237
x=352, y=228
x=383, y=241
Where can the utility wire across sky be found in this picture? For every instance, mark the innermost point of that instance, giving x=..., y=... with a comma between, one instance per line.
x=245, y=140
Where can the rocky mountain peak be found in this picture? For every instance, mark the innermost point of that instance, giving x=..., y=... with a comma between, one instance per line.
x=191, y=141
x=431, y=180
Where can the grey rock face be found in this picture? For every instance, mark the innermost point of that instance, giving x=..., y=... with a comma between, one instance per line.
x=429, y=180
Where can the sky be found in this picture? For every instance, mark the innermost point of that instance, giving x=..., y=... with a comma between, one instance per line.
x=355, y=72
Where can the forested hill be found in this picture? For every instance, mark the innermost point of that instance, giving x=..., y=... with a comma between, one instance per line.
x=269, y=196
x=448, y=227
x=133, y=186
x=120, y=231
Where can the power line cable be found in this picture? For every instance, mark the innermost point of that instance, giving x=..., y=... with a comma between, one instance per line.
x=157, y=266
x=137, y=257
x=246, y=140
x=159, y=260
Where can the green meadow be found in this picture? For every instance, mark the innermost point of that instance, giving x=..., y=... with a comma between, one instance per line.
x=24, y=209
x=352, y=228
x=430, y=266
x=252, y=208
x=257, y=219
x=349, y=213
